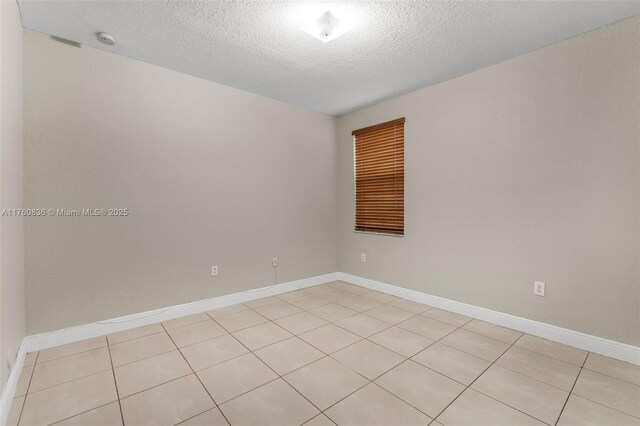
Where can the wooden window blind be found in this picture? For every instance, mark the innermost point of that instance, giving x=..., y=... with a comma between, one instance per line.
x=379, y=178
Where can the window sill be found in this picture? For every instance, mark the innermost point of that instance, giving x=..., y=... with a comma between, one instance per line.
x=379, y=233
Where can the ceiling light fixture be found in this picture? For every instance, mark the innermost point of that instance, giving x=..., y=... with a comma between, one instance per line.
x=326, y=28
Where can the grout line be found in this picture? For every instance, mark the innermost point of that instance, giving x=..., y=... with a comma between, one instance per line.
x=278, y=376
x=83, y=412
x=569, y=396
x=318, y=415
x=199, y=414
x=35, y=363
x=113, y=371
x=474, y=380
x=70, y=381
x=196, y=376
x=549, y=356
x=72, y=354
x=136, y=338
x=190, y=367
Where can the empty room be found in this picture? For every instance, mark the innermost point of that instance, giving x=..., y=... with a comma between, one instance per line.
x=319, y=213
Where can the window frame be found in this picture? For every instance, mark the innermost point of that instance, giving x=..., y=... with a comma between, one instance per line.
x=355, y=133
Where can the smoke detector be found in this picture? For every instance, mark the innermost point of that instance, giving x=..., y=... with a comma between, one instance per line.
x=106, y=38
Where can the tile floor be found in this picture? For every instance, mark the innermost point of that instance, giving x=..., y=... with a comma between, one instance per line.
x=330, y=354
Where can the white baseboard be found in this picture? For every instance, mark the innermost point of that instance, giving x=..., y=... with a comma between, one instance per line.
x=599, y=345
x=63, y=336
x=51, y=339
x=12, y=384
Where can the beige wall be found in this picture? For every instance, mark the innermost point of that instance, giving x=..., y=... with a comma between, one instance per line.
x=12, y=306
x=526, y=170
x=211, y=175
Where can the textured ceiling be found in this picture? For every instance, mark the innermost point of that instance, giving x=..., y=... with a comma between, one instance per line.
x=394, y=46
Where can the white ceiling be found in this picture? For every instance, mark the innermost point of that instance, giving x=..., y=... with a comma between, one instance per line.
x=394, y=46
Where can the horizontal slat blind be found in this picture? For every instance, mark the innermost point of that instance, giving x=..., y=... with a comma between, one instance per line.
x=379, y=178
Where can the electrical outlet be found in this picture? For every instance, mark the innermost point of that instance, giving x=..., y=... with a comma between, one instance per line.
x=274, y=262
x=363, y=257
x=214, y=271
x=538, y=288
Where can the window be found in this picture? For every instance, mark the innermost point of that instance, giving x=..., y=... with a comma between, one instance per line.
x=379, y=178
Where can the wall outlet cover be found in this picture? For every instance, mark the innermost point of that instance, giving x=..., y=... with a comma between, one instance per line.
x=538, y=288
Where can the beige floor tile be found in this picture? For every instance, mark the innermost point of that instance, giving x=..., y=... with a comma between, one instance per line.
x=359, y=303
x=473, y=408
x=274, y=404
x=427, y=327
x=309, y=302
x=335, y=284
x=233, y=309
x=14, y=411
x=426, y=390
x=107, y=415
x=30, y=359
x=138, y=376
x=320, y=420
x=231, y=378
x=135, y=333
x=23, y=381
x=186, y=320
x=606, y=390
x=612, y=367
x=496, y=332
x=262, y=302
x=555, y=350
x=582, y=412
x=374, y=406
x=212, y=417
x=300, y=322
x=261, y=335
x=144, y=347
x=475, y=344
x=240, y=320
x=362, y=325
x=368, y=359
x=167, y=404
x=322, y=288
x=447, y=317
x=548, y=370
x=325, y=382
x=380, y=296
x=411, y=306
x=72, y=367
x=292, y=295
x=213, y=351
x=329, y=338
x=71, y=348
x=194, y=333
x=332, y=312
x=523, y=393
x=336, y=295
x=288, y=355
x=389, y=314
x=68, y=399
x=277, y=310
x=451, y=362
x=355, y=289
x=401, y=341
